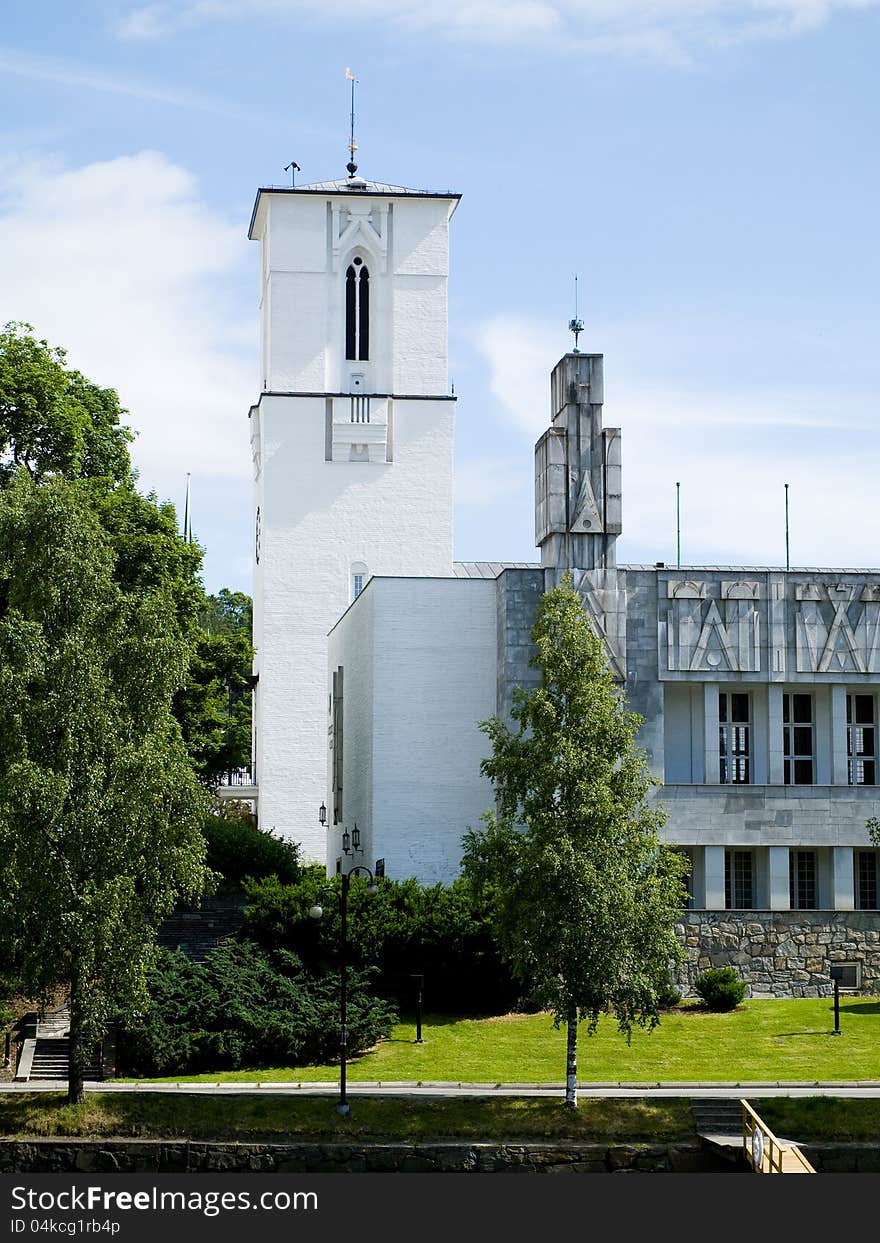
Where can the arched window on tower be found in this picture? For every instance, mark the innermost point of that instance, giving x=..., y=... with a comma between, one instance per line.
x=357, y=311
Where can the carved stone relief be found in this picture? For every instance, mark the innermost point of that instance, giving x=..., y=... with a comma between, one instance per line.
x=837, y=628
x=709, y=635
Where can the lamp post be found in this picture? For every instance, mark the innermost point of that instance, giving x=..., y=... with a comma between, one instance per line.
x=351, y=845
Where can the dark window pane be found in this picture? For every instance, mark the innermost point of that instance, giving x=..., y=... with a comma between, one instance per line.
x=786, y=716
x=866, y=895
x=802, y=708
x=739, y=707
x=803, y=741
x=722, y=707
x=864, y=709
x=803, y=772
x=870, y=773
x=364, y=308
x=350, y=312
x=787, y=775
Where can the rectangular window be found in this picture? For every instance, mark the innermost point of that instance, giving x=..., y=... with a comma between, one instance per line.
x=802, y=879
x=734, y=737
x=357, y=585
x=738, y=880
x=798, y=739
x=866, y=880
x=861, y=740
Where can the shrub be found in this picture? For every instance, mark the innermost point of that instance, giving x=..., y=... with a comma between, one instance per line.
x=439, y=931
x=245, y=1007
x=668, y=997
x=720, y=988
x=238, y=848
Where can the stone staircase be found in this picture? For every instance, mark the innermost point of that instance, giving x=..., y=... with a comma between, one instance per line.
x=197, y=932
x=718, y=1121
x=45, y=1050
x=50, y=1060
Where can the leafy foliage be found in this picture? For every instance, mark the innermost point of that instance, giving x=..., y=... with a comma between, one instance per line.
x=238, y=848
x=720, y=988
x=440, y=931
x=214, y=708
x=247, y=1007
x=99, y=810
x=584, y=895
x=53, y=421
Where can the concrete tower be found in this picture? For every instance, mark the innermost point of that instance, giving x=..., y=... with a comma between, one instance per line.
x=352, y=441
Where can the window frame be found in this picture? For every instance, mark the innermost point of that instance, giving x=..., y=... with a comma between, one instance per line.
x=792, y=733
x=731, y=757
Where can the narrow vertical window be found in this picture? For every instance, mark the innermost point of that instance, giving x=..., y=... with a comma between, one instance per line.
x=357, y=585
x=738, y=886
x=357, y=312
x=798, y=739
x=861, y=740
x=351, y=313
x=866, y=878
x=734, y=738
x=802, y=880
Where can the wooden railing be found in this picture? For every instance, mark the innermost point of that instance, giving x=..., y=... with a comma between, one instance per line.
x=765, y=1153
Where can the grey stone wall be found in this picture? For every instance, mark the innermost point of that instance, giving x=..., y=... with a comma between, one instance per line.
x=177, y=1156
x=519, y=593
x=781, y=953
x=644, y=692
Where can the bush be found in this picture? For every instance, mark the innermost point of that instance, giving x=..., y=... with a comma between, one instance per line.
x=237, y=848
x=245, y=1007
x=439, y=931
x=668, y=997
x=720, y=988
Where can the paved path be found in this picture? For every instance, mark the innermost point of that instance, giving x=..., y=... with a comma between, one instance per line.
x=853, y=1088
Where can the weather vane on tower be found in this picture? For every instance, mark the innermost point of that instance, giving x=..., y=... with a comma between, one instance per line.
x=576, y=325
x=352, y=145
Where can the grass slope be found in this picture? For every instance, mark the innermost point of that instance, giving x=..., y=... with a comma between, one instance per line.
x=762, y=1041
x=282, y=1118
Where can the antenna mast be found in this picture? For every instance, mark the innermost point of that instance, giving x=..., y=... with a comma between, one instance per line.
x=293, y=168
x=576, y=325
x=352, y=145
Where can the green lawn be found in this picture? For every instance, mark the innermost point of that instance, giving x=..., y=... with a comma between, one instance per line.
x=278, y=1118
x=762, y=1041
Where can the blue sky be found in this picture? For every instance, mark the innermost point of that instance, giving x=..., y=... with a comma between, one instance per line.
x=708, y=168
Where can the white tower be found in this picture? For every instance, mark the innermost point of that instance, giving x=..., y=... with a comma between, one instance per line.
x=352, y=444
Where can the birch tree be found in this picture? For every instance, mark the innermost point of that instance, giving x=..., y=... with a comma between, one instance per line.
x=99, y=807
x=584, y=894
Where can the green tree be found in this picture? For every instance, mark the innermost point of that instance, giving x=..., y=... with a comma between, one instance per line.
x=585, y=895
x=53, y=421
x=214, y=707
x=99, y=807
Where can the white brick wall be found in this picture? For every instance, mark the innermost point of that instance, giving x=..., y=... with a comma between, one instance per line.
x=412, y=774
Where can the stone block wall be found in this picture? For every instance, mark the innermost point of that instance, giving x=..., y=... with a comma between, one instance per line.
x=781, y=953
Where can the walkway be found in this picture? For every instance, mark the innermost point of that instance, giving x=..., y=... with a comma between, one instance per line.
x=854, y=1089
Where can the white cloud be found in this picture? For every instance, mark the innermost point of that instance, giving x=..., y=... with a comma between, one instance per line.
x=69, y=73
x=667, y=30
x=731, y=449
x=123, y=264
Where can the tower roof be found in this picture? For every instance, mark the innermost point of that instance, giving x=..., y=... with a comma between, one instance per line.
x=352, y=186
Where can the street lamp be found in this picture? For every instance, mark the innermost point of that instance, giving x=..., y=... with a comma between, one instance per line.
x=351, y=844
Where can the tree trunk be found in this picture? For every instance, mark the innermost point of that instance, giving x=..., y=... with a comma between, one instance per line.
x=76, y=1052
x=571, y=1095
